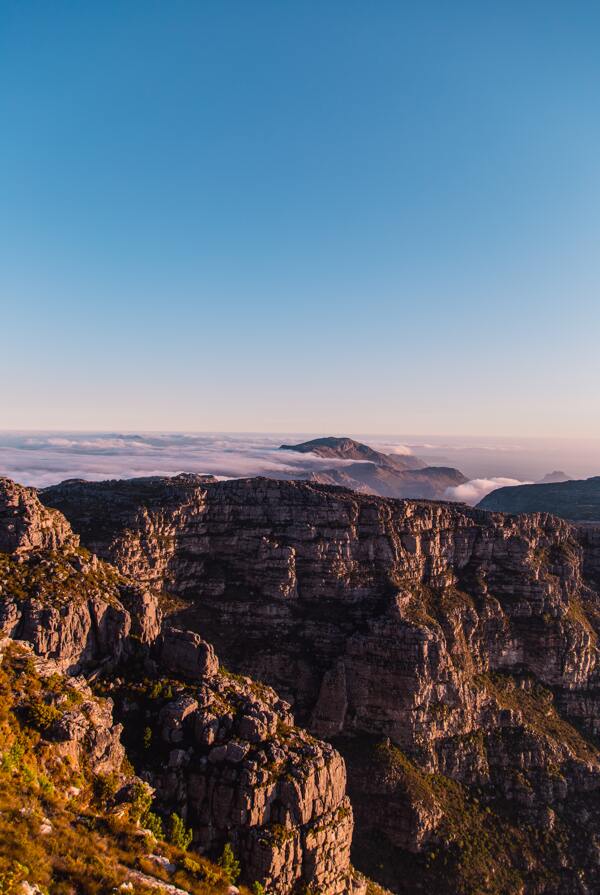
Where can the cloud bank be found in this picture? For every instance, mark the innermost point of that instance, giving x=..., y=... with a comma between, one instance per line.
x=44, y=458
x=47, y=458
x=476, y=489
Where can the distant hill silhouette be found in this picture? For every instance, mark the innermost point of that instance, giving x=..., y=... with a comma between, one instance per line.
x=552, y=478
x=577, y=500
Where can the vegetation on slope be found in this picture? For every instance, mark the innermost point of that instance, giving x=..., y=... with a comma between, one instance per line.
x=64, y=829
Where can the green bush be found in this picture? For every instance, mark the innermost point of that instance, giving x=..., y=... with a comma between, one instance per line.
x=41, y=715
x=178, y=834
x=147, y=737
x=151, y=821
x=141, y=800
x=258, y=889
x=229, y=864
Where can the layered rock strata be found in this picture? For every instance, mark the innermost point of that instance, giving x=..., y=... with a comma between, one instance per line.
x=72, y=607
x=468, y=640
x=226, y=756
x=221, y=752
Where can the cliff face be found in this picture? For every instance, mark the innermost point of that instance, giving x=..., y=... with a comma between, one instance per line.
x=220, y=751
x=452, y=652
x=72, y=608
x=226, y=756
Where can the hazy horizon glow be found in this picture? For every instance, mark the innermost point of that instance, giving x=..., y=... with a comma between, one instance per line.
x=300, y=217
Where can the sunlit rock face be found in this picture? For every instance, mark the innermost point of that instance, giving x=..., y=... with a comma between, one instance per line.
x=57, y=596
x=453, y=653
x=225, y=752
x=227, y=757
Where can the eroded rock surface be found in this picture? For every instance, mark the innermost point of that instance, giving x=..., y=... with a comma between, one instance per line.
x=57, y=596
x=220, y=751
x=226, y=756
x=468, y=640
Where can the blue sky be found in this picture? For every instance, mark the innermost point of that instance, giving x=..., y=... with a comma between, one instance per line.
x=329, y=217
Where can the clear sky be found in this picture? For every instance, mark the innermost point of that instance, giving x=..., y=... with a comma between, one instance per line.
x=301, y=216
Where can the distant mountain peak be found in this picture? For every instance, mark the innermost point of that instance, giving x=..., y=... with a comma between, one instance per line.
x=553, y=478
x=343, y=448
x=373, y=472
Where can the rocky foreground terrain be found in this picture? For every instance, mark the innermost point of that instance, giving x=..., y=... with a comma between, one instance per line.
x=130, y=758
x=449, y=654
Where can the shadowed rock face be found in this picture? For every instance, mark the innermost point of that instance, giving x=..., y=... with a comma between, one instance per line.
x=453, y=652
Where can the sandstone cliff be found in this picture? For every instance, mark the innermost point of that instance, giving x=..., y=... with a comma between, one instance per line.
x=222, y=753
x=57, y=596
x=452, y=652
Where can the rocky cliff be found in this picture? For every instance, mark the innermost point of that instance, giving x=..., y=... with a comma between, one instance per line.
x=221, y=753
x=54, y=594
x=451, y=654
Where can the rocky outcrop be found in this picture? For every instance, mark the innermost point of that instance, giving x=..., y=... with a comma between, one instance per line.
x=186, y=655
x=26, y=524
x=227, y=757
x=467, y=639
x=77, y=726
x=70, y=606
x=220, y=751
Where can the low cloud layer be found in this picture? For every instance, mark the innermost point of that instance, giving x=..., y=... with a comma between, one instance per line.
x=46, y=458
x=476, y=489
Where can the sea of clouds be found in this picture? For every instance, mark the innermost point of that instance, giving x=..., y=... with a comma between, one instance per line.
x=41, y=459
x=44, y=458
x=476, y=489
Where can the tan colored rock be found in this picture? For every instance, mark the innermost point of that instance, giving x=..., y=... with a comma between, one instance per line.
x=186, y=654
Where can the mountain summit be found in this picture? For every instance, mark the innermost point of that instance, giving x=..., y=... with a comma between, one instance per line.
x=387, y=475
x=349, y=449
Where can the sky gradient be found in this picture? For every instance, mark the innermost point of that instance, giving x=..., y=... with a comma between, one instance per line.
x=311, y=217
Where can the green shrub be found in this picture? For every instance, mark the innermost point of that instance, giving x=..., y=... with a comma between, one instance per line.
x=141, y=800
x=178, y=834
x=41, y=715
x=229, y=864
x=147, y=737
x=258, y=889
x=193, y=867
x=13, y=757
x=151, y=821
